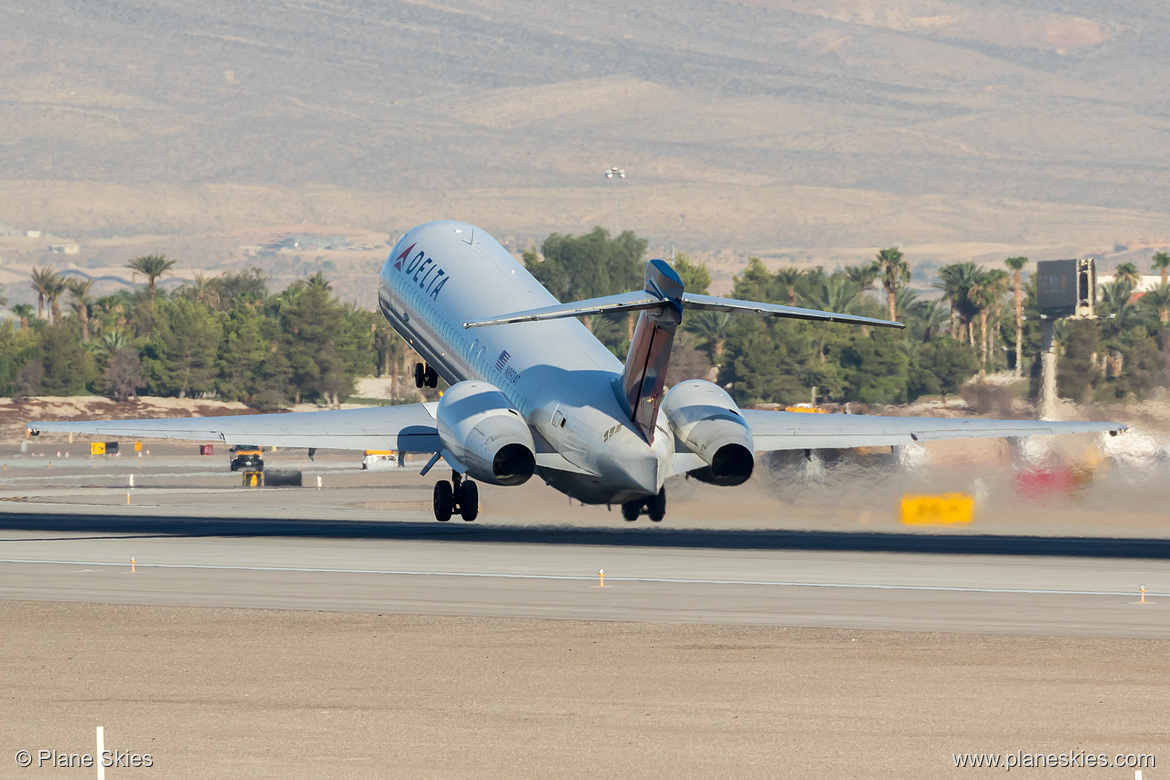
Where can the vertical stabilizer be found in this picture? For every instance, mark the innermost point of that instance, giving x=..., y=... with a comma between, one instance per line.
x=644, y=377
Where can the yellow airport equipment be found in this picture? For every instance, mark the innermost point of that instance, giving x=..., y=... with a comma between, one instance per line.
x=97, y=448
x=807, y=409
x=138, y=446
x=253, y=479
x=948, y=509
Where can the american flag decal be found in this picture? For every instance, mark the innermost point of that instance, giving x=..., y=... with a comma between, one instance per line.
x=502, y=360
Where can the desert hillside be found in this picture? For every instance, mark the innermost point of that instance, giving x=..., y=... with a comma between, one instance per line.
x=813, y=130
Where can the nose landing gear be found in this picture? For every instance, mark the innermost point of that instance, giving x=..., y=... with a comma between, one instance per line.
x=458, y=495
x=425, y=376
x=654, y=507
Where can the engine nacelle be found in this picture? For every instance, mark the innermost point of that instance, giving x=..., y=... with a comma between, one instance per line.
x=709, y=424
x=478, y=425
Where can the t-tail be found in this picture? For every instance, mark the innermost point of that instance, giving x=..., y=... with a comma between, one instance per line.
x=643, y=380
x=661, y=302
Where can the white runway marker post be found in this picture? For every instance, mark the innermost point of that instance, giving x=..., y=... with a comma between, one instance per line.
x=101, y=748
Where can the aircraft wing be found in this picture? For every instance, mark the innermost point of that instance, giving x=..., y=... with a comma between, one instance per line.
x=802, y=431
x=407, y=428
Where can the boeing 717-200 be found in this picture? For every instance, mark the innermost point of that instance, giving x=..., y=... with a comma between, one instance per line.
x=533, y=392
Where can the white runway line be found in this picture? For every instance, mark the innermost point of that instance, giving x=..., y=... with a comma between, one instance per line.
x=590, y=578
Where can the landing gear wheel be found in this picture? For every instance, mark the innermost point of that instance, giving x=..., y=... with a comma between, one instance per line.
x=656, y=507
x=631, y=510
x=420, y=376
x=431, y=377
x=468, y=501
x=444, y=502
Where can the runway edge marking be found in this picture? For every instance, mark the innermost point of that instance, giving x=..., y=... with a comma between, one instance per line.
x=570, y=577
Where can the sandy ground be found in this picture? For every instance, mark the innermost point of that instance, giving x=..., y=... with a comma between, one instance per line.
x=250, y=693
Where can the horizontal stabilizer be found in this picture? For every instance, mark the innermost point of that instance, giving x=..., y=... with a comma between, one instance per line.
x=642, y=300
x=631, y=301
x=712, y=303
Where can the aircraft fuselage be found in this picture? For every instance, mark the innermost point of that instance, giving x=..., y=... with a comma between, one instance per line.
x=555, y=373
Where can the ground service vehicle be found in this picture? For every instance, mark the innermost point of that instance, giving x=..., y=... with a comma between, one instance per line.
x=246, y=457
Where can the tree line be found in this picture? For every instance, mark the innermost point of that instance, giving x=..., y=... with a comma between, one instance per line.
x=983, y=320
x=229, y=337
x=226, y=337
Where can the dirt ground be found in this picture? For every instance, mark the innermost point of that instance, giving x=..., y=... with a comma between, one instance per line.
x=249, y=693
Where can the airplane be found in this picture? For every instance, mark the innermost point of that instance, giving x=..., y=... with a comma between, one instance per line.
x=532, y=392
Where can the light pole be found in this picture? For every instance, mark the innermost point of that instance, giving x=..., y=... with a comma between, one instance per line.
x=615, y=173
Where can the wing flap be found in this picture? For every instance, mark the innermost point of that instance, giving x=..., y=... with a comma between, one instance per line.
x=408, y=428
x=797, y=431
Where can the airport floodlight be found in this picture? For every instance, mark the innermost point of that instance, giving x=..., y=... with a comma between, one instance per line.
x=614, y=174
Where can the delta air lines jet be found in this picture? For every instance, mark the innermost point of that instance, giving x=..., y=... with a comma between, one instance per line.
x=533, y=392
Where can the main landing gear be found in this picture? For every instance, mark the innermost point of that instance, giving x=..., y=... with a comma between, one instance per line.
x=655, y=507
x=425, y=376
x=458, y=495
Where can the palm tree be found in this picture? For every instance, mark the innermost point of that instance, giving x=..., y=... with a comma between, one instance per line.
x=53, y=292
x=318, y=280
x=79, y=288
x=931, y=314
x=1128, y=272
x=42, y=280
x=1017, y=265
x=24, y=311
x=110, y=343
x=956, y=281
x=861, y=275
x=1119, y=315
x=152, y=267
x=985, y=293
x=207, y=290
x=712, y=327
x=1161, y=262
x=787, y=279
x=894, y=272
x=837, y=294
x=1159, y=300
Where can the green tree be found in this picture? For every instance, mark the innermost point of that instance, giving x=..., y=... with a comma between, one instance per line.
x=695, y=276
x=1128, y=273
x=589, y=266
x=68, y=367
x=23, y=311
x=42, y=280
x=956, y=282
x=80, y=289
x=153, y=267
x=942, y=366
x=1016, y=264
x=1161, y=262
x=894, y=272
x=985, y=294
x=1158, y=300
x=711, y=329
x=180, y=357
x=863, y=276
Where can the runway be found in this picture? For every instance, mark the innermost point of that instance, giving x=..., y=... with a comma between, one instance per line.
x=814, y=580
